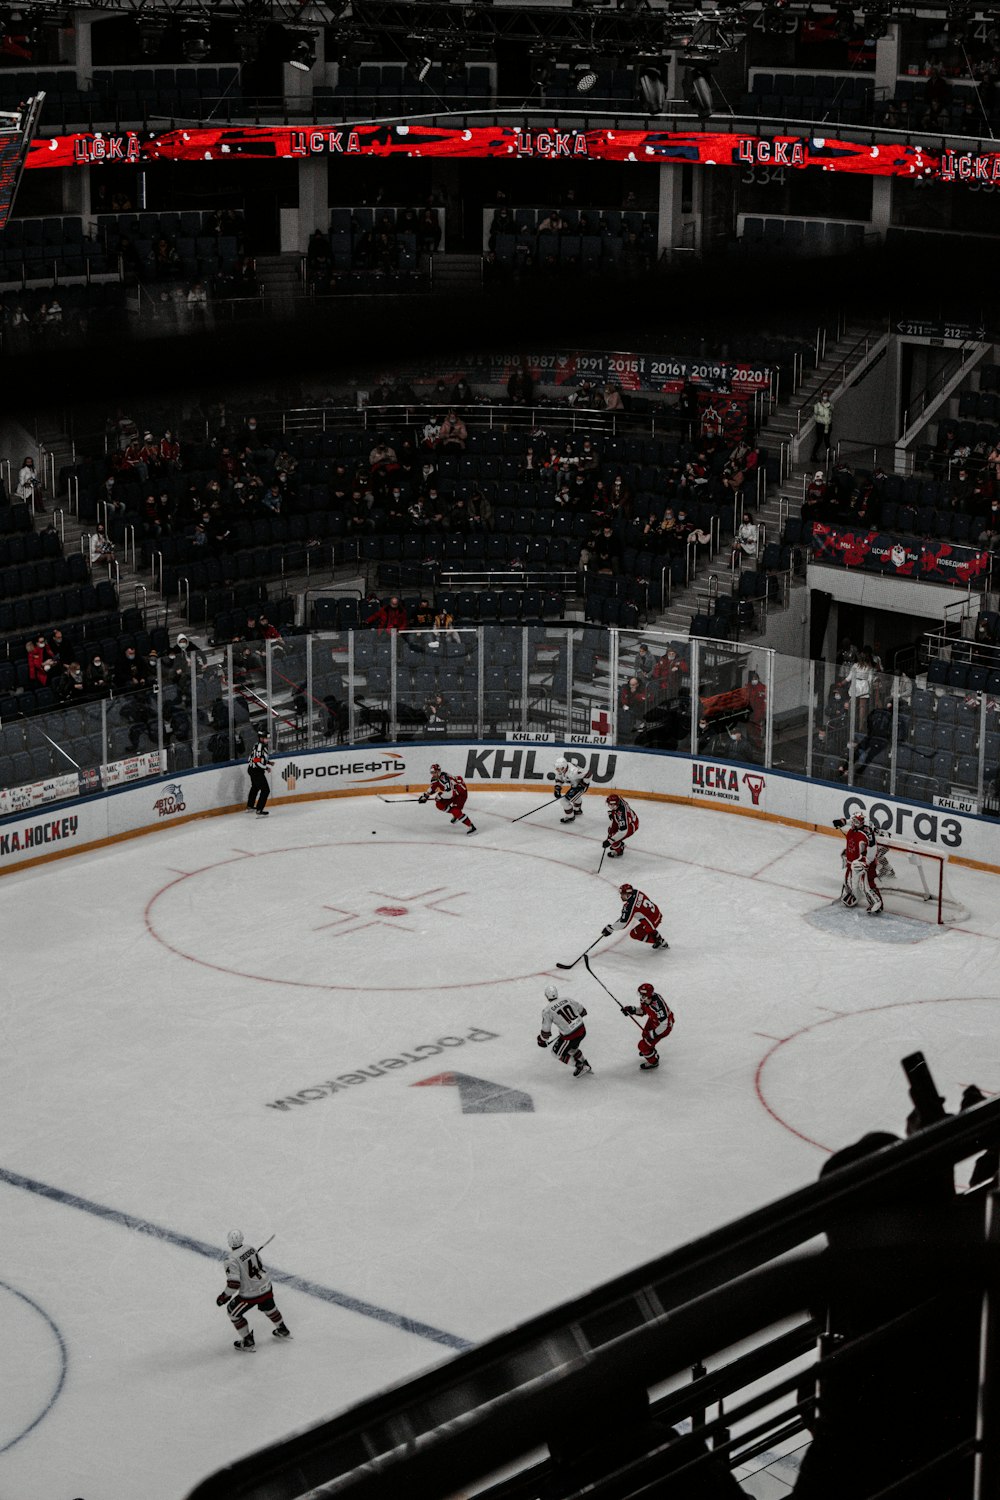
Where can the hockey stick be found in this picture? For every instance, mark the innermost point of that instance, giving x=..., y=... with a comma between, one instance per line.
x=530, y=811
x=582, y=955
x=601, y=861
x=391, y=800
x=586, y=964
x=266, y=1243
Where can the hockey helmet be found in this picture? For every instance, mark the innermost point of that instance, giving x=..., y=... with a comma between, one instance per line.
x=562, y=765
x=234, y=1239
x=613, y=800
x=551, y=993
x=625, y=890
x=435, y=769
x=858, y=820
x=646, y=991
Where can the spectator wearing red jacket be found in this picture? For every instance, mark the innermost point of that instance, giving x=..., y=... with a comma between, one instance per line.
x=389, y=617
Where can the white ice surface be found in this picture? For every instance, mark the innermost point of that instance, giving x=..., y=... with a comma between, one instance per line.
x=161, y=995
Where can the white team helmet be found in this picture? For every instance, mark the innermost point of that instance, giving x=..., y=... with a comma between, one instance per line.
x=551, y=993
x=234, y=1239
x=562, y=764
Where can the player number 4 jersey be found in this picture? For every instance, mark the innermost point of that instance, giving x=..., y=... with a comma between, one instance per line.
x=245, y=1267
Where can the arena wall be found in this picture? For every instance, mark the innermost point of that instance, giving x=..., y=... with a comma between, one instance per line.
x=94, y=822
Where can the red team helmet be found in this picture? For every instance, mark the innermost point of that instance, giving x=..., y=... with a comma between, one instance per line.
x=858, y=820
x=625, y=891
x=613, y=800
x=646, y=991
x=435, y=769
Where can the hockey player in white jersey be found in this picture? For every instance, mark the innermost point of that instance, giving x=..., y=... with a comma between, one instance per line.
x=248, y=1285
x=563, y=1014
x=572, y=784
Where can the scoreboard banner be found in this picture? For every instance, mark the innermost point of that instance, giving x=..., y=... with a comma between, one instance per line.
x=904, y=557
x=699, y=148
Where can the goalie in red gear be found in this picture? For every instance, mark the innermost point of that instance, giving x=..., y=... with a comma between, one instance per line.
x=861, y=857
x=622, y=823
x=657, y=1023
x=637, y=907
x=450, y=794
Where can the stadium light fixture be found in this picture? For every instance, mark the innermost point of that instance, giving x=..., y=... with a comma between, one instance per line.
x=195, y=43
x=584, y=76
x=302, y=50
x=698, y=90
x=651, y=87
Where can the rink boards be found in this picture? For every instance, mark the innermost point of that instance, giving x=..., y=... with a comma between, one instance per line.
x=93, y=822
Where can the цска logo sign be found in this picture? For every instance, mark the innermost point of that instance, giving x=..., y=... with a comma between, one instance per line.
x=387, y=769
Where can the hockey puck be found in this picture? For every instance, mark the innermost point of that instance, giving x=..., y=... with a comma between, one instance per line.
x=373, y=833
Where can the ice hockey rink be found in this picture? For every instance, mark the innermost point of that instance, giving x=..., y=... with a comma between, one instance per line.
x=321, y=1026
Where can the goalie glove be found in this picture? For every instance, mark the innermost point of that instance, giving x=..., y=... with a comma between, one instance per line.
x=839, y=822
x=543, y=1038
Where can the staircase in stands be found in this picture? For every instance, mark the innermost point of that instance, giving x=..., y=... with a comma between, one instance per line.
x=780, y=499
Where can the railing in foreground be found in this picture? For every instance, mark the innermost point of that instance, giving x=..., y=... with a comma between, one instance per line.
x=929, y=1265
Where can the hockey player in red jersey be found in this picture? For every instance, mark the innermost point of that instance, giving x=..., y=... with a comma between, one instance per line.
x=657, y=1023
x=450, y=794
x=637, y=907
x=622, y=823
x=861, y=858
x=566, y=1016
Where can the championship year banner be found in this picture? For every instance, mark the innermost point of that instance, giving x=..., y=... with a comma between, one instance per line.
x=889, y=158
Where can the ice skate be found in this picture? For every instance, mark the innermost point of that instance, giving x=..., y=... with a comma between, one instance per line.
x=262, y=812
x=660, y=942
x=582, y=1066
x=649, y=1062
x=247, y=1345
x=615, y=853
x=472, y=829
x=281, y=1332
x=567, y=818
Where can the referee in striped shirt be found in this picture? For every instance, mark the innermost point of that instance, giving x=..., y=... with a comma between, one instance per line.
x=258, y=764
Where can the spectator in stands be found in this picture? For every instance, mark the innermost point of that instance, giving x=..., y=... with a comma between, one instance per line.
x=745, y=542
x=97, y=676
x=429, y=232
x=502, y=222
x=132, y=673
x=62, y=649
x=389, y=616
x=197, y=301
x=444, y=626
x=437, y=714
x=70, y=683
x=642, y=667
x=102, y=549
x=875, y=740
x=452, y=434
x=553, y=223
x=613, y=398
x=605, y=552
x=520, y=388
x=823, y=418
x=668, y=675
x=40, y=661
x=632, y=702
x=859, y=685
x=461, y=392
x=29, y=485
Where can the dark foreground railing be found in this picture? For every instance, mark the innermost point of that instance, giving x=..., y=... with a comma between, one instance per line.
x=900, y=1313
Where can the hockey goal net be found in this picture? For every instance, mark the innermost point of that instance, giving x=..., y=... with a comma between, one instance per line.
x=920, y=879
